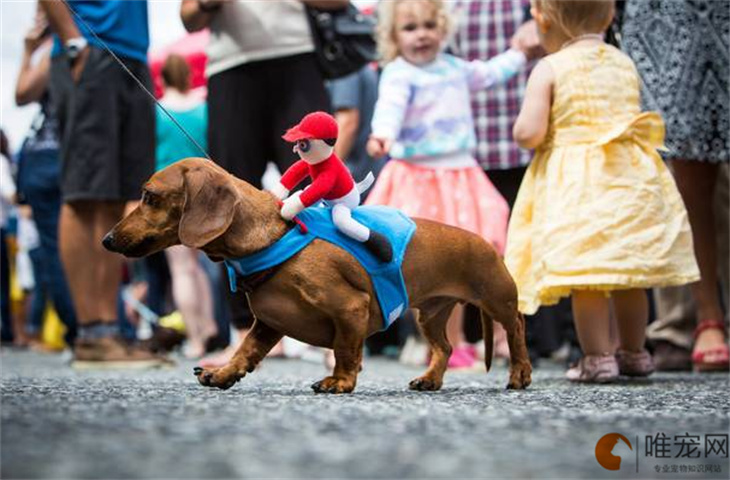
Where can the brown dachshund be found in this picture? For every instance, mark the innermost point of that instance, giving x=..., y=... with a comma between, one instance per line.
x=322, y=296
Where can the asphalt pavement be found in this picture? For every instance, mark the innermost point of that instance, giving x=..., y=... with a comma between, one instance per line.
x=61, y=423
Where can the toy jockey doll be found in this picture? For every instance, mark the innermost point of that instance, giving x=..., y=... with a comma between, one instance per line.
x=332, y=182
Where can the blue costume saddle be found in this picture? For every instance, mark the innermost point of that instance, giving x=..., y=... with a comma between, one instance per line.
x=387, y=278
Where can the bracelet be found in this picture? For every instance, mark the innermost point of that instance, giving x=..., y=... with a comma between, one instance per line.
x=208, y=8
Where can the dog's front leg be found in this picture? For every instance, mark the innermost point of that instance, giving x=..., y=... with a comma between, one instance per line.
x=351, y=330
x=254, y=348
x=348, y=357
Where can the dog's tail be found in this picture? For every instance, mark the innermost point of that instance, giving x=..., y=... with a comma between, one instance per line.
x=488, y=334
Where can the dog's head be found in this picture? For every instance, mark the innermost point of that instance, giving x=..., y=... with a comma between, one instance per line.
x=191, y=202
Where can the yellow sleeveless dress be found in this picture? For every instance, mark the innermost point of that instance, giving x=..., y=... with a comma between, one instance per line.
x=597, y=208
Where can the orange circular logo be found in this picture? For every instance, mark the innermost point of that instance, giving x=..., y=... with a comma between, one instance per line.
x=604, y=447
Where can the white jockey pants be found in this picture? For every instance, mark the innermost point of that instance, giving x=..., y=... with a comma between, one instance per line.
x=342, y=216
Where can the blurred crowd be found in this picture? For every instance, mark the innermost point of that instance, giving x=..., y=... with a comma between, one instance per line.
x=476, y=116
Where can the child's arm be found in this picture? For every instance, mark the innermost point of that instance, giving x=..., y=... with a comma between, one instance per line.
x=394, y=92
x=532, y=123
x=486, y=74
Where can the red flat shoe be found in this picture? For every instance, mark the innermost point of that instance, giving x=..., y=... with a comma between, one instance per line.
x=720, y=355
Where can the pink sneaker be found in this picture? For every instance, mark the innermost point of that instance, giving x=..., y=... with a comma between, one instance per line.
x=635, y=364
x=594, y=369
x=461, y=357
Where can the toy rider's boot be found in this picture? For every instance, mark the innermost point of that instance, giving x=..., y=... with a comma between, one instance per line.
x=379, y=246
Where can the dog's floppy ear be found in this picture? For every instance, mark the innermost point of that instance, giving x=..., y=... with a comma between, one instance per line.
x=208, y=209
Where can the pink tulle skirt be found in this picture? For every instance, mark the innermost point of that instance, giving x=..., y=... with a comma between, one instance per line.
x=461, y=197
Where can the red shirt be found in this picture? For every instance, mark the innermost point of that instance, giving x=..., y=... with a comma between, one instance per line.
x=330, y=180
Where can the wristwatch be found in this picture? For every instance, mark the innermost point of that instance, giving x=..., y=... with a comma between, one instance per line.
x=74, y=47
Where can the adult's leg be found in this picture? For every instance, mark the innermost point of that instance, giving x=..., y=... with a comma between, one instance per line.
x=722, y=217
x=34, y=322
x=6, y=330
x=696, y=182
x=507, y=182
x=55, y=280
x=221, y=314
x=94, y=274
x=675, y=311
x=238, y=119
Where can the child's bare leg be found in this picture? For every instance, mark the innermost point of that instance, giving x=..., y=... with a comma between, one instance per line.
x=592, y=321
x=455, y=326
x=632, y=316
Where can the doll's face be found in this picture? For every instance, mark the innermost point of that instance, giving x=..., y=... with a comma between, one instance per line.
x=313, y=151
x=419, y=32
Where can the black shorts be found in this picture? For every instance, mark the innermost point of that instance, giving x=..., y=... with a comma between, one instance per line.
x=107, y=128
x=252, y=105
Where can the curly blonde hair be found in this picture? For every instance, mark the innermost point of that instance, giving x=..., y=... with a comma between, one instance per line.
x=577, y=17
x=387, y=46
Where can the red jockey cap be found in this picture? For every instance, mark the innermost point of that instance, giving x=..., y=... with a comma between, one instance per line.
x=316, y=125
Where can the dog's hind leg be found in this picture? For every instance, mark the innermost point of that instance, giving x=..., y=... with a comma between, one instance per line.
x=432, y=324
x=254, y=348
x=520, y=368
x=350, y=332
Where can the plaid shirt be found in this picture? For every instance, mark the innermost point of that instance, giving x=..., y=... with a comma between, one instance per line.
x=484, y=29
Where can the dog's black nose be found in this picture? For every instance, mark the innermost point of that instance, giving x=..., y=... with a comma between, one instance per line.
x=108, y=241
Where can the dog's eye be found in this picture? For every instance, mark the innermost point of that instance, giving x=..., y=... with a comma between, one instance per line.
x=149, y=199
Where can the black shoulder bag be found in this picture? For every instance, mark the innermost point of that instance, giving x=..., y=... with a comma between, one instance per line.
x=343, y=39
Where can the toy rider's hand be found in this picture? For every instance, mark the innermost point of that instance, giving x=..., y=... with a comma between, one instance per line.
x=280, y=191
x=378, y=147
x=292, y=206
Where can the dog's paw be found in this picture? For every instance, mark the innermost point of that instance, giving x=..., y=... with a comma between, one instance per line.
x=223, y=378
x=423, y=384
x=520, y=377
x=333, y=385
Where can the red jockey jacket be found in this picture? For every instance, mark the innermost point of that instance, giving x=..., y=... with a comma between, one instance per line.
x=330, y=180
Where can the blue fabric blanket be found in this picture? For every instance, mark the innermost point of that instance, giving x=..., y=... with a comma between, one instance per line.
x=387, y=278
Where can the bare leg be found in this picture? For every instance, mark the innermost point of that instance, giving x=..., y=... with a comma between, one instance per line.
x=205, y=305
x=632, y=316
x=93, y=273
x=501, y=346
x=696, y=182
x=592, y=317
x=455, y=326
x=192, y=296
x=260, y=339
